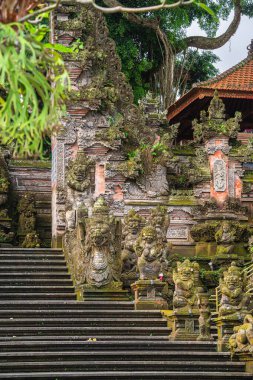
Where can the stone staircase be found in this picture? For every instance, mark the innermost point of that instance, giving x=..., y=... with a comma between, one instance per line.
x=45, y=333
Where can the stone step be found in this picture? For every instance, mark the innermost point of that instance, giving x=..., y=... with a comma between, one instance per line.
x=80, y=330
x=31, y=263
x=63, y=304
x=76, y=313
x=26, y=270
x=126, y=375
x=38, y=296
x=36, y=282
x=15, y=343
x=83, y=322
x=36, y=256
x=28, y=251
x=36, y=289
x=121, y=365
x=134, y=355
x=83, y=338
x=34, y=275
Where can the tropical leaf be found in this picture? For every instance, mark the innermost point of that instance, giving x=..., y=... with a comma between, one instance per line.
x=33, y=82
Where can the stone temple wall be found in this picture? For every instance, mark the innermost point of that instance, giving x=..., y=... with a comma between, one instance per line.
x=206, y=183
x=87, y=151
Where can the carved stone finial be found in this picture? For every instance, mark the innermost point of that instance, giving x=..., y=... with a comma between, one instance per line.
x=216, y=109
x=250, y=48
x=100, y=207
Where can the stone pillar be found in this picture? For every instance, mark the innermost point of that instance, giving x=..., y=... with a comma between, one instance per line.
x=148, y=295
x=185, y=326
x=225, y=326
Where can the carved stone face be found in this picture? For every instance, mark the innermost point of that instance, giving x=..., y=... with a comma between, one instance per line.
x=233, y=280
x=79, y=172
x=100, y=233
x=225, y=227
x=149, y=237
x=133, y=225
x=185, y=273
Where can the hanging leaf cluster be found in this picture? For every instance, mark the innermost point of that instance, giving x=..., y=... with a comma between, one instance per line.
x=33, y=81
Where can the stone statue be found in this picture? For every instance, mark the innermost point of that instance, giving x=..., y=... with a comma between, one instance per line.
x=132, y=226
x=225, y=238
x=204, y=317
x=149, y=251
x=234, y=300
x=31, y=240
x=185, y=294
x=242, y=339
x=27, y=221
x=160, y=220
x=78, y=176
x=102, y=261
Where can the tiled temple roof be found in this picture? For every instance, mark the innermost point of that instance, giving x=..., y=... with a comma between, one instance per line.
x=236, y=82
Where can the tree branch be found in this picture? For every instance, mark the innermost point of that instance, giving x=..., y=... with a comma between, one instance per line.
x=30, y=16
x=216, y=42
x=122, y=9
x=168, y=59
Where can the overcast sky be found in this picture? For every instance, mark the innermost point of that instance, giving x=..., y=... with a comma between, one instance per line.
x=236, y=49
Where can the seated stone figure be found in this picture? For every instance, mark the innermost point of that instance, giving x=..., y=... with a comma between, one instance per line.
x=149, y=253
x=185, y=294
x=242, y=339
x=234, y=300
x=225, y=238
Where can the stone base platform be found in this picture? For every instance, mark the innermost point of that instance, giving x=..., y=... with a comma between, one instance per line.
x=148, y=295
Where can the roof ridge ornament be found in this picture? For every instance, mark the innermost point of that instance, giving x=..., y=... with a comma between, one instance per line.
x=250, y=48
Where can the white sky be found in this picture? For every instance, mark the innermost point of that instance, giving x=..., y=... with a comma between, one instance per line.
x=235, y=49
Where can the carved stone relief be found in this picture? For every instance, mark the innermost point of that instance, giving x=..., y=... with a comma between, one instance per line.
x=219, y=175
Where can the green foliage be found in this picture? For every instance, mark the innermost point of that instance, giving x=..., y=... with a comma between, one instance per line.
x=197, y=67
x=204, y=232
x=142, y=54
x=32, y=85
x=210, y=127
